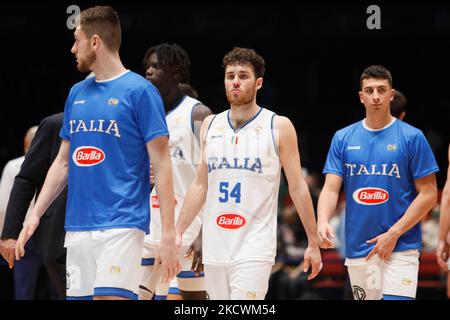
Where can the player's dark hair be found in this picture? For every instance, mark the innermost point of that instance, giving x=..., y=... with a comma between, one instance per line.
x=248, y=57
x=172, y=58
x=398, y=104
x=103, y=21
x=376, y=72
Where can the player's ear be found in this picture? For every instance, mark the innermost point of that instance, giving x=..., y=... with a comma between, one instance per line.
x=392, y=95
x=360, y=93
x=259, y=83
x=95, y=40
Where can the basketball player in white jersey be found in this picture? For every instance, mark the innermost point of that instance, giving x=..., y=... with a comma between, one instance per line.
x=243, y=150
x=166, y=66
x=443, y=249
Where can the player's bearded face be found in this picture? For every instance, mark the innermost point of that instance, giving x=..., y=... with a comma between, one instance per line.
x=86, y=61
x=83, y=51
x=240, y=84
x=242, y=97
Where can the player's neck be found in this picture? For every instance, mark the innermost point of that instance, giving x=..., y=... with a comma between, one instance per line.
x=108, y=66
x=172, y=99
x=377, y=121
x=242, y=113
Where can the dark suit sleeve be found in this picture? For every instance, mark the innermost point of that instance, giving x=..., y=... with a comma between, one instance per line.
x=30, y=179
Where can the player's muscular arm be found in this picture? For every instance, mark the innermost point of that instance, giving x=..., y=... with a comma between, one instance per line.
x=199, y=113
x=425, y=201
x=55, y=182
x=326, y=207
x=298, y=189
x=158, y=149
x=422, y=204
x=196, y=194
x=443, y=249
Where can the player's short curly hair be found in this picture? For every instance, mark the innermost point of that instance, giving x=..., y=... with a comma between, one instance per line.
x=103, y=21
x=245, y=57
x=376, y=72
x=172, y=58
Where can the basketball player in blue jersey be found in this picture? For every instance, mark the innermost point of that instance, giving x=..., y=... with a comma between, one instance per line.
x=443, y=249
x=113, y=123
x=388, y=172
x=167, y=66
x=242, y=152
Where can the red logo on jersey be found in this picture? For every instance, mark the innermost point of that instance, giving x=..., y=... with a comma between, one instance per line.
x=370, y=196
x=88, y=156
x=155, y=202
x=230, y=221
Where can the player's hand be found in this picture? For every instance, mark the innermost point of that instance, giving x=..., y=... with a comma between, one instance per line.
x=385, y=245
x=442, y=254
x=8, y=250
x=28, y=229
x=196, y=251
x=325, y=235
x=166, y=257
x=312, y=259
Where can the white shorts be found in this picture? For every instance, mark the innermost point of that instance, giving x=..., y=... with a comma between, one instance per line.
x=242, y=281
x=375, y=278
x=186, y=280
x=104, y=263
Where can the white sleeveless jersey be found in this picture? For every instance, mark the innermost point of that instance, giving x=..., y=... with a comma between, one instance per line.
x=184, y=153
x=240, y=212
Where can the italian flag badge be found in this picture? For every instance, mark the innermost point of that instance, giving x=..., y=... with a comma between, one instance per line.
x=234, y=140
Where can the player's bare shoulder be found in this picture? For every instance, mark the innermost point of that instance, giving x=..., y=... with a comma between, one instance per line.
x=284, y=127
x=200, y=112
x=281, y=121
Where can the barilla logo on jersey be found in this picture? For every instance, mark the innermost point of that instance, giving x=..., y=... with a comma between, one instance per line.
x=370, y=196
x=155, y=202
x=88, y=156
x=230, y=221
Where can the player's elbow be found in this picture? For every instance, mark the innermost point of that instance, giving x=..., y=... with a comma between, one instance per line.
x=445, y=199
x=431, y=196
x=298, y=188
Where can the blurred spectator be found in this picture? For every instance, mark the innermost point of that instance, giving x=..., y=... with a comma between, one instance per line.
x=25, y=271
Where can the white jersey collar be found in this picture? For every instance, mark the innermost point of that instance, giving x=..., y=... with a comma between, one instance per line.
x=113, y=78
x=375, y=130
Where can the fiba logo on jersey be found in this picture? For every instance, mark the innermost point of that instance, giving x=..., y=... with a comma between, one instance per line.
x=88, y=156
x=370, y=196
x=230, y=221
x=114, y=102
x=258, y=130
x=391, y=147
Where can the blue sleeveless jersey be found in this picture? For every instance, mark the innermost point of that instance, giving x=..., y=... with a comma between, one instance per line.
x=378, y=168
x=108, y=124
